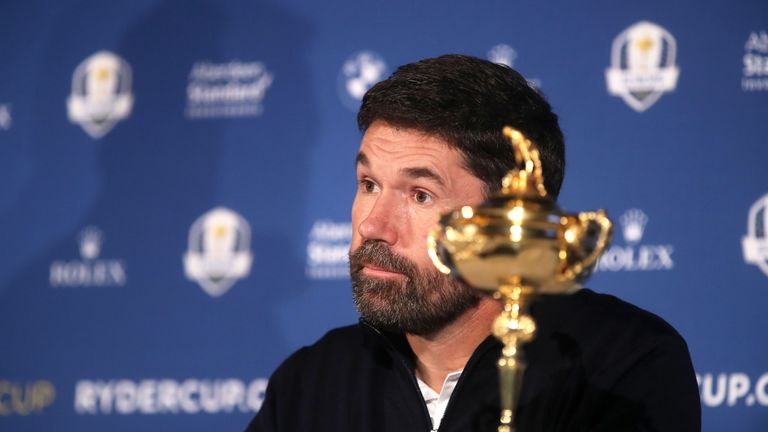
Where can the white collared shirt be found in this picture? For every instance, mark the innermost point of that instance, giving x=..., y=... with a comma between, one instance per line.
x=436, y=403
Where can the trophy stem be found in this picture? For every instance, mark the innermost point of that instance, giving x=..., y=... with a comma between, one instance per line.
x=513, y=328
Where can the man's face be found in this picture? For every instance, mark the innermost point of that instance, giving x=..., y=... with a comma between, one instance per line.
x=406, y=179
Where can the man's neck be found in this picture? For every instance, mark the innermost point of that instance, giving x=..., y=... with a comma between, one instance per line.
x=449, y=349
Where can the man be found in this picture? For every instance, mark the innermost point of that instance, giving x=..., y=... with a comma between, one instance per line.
x=421, y=358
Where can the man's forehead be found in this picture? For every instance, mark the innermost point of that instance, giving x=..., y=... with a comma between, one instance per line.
x=382, y=141
x=387, y=145
x=410, y=159
x=414, y=172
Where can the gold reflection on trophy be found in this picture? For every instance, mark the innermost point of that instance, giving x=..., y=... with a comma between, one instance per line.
x=516, y=244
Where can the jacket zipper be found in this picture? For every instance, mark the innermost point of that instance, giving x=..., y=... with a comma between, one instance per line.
x=471, y=363
x=409, y=372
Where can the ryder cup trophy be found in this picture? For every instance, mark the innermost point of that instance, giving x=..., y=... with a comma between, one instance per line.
x=516, y=244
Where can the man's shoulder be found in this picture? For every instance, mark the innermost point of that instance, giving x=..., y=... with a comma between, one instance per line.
x=614, y=313
x=607, y=329
x=335, y=367
x=616, y=335
x=598, y=313
x=337, y=345
x=339, y=337
x=626, y=365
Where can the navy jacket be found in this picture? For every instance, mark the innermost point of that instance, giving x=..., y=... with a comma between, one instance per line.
x=596, y=364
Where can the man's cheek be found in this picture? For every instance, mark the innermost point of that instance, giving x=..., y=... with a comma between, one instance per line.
x=356, y=239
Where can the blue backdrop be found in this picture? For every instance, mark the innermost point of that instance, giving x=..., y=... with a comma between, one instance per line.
x=177, y=177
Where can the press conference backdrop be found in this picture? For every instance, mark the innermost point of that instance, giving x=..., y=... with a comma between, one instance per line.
x=177, y=178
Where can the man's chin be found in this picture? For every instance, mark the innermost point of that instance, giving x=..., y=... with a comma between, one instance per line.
x=378, y=289
x=388, y=307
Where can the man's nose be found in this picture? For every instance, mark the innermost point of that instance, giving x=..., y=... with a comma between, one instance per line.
x=382, y=221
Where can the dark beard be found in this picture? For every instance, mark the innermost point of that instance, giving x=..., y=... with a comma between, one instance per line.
x=422, y=304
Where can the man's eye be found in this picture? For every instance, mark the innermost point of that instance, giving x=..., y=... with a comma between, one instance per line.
x=368, y=186
x=422, y=197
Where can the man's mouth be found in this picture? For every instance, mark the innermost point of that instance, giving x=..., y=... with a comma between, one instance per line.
x=380, y=272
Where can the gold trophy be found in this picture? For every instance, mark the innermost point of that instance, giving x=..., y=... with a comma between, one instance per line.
x=516, y=244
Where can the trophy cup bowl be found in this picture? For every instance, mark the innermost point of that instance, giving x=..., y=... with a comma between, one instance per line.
x=516, y=244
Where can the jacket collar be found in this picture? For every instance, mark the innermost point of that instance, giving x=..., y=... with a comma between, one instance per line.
x=397, y=345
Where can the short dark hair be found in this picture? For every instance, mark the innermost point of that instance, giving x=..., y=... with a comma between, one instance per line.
x=466, y=101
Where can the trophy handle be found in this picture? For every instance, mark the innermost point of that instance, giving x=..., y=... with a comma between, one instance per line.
x=576, y=239
x=432, y=249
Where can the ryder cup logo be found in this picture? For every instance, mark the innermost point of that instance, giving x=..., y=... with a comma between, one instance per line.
x=642, y=65
x=358, y=74
x=161, y=395
x=101, y=93
x=634, y=256
x=755, y=243
x=732, y=389
x=219, y=251
x=23, y=398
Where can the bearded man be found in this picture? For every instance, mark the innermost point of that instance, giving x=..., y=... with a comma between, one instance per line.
x=422, y=358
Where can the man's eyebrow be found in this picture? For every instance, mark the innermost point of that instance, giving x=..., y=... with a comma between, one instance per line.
x=423, y=172
x=362, y=159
